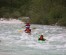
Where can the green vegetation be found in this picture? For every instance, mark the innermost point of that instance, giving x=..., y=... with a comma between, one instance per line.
x=48, y=12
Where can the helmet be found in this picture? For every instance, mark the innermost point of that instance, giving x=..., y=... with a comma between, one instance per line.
x=42, y=33
x=27, y=24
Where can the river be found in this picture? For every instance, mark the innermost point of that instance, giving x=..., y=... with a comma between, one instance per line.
x=14, y=41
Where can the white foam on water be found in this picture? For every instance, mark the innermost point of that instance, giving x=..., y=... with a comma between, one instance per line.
x=14, y=42
x=11, y=21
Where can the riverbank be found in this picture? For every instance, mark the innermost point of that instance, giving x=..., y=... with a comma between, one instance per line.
x=10, y=21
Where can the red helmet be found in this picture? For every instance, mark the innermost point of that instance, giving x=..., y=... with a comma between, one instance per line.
x=27, y=24
x=41, y=37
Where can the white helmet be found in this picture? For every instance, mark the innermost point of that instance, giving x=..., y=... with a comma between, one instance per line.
x=42, y=33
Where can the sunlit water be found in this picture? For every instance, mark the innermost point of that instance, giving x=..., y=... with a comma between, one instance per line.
x=14, y=41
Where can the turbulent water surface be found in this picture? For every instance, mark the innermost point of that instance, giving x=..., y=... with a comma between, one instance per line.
x=14, y=41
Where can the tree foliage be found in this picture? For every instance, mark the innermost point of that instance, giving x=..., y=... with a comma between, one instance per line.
x=40, y=11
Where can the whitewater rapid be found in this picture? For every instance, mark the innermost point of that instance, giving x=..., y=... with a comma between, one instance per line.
x=14, y=41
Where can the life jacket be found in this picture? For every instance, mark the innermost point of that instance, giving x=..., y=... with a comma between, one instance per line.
x=27, y=26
